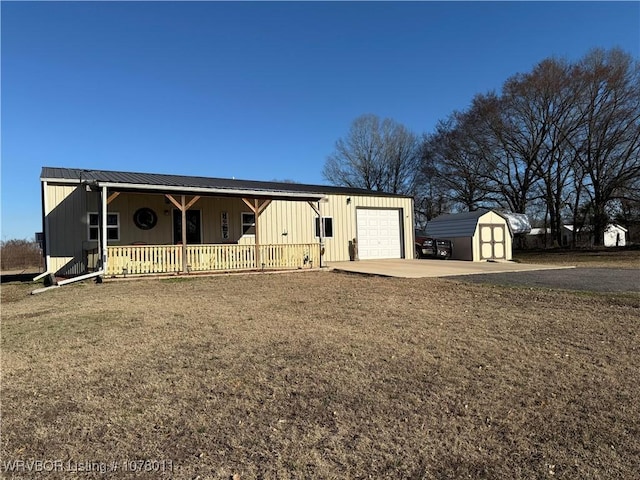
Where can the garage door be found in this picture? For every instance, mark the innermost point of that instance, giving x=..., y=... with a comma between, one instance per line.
x=378, y=233
x=492, y=241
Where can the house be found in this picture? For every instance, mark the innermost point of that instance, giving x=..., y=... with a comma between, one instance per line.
x=123, y=223
x=537, y=238
x=477, y=236
x=614, y=235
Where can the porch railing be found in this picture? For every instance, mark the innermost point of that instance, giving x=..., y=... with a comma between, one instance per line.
x=142, y=259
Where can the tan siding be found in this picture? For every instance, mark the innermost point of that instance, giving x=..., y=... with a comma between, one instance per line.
x=298, y=218
x=494, y=219
x=68, y=223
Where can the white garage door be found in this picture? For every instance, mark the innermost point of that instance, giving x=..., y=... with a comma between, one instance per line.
x=378, y=233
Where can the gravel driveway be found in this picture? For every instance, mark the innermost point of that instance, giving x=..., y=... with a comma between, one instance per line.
x=587, y=279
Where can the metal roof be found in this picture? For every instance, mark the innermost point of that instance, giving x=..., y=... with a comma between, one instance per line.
x=455, y=225
x=464, y=224
x=518, y=222
x=150, y=181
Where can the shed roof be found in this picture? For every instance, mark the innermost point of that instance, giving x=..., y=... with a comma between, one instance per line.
x=518, y=222
x=194, y=184
x=456, y=225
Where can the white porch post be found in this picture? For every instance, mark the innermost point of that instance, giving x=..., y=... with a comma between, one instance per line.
x=183, y=212
x=103, y=232
x=316, y=208
x=321, y=233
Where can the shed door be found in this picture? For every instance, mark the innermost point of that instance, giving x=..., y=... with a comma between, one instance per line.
x=492, y=242
x=379, y=233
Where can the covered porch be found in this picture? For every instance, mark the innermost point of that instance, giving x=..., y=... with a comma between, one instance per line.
x=159, y=259
x=168, y=229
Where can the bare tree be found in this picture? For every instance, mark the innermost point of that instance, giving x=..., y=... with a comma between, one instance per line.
x=608, y=149
x=432, y=198
x=566, y=135
x=401, y=158
x=513, y=142
x=552, y=95
x=375, y=155
x=454, y=156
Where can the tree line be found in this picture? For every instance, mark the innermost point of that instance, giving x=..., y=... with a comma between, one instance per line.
x=560, y=143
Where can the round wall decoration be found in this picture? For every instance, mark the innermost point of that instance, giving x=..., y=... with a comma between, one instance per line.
x=145, y=218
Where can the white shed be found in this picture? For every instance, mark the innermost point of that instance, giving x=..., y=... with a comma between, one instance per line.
x=477, y=236
x=615, y=236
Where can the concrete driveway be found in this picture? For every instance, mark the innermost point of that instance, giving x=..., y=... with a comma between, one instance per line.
x=433, y=268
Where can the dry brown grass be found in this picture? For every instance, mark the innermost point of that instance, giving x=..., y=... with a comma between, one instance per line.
x=594, y=258
x=323, y=375
x=20, y=254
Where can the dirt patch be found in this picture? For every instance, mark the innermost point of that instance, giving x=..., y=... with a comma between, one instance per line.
x=322, y=375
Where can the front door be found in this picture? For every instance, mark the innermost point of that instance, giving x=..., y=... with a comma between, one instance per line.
x=194, y=233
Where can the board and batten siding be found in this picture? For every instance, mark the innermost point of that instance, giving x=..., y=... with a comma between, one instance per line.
x=345, y=226
x=492, y=218
x=294, y=222
x=66, y=224
x=282, y=222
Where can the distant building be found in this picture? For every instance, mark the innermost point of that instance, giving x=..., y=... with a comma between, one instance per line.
x=614, y=236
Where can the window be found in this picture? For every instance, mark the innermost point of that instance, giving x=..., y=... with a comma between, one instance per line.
x=328, y=227
x=248, y=223
x=113, y=226
x=145, y=218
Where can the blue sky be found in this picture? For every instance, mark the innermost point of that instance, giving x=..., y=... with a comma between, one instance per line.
x=256, y=91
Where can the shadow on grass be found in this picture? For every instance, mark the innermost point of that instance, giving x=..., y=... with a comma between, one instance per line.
x=17, y=277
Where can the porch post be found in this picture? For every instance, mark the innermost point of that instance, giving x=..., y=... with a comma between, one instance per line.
x=184, y=233
x=256, y=213
x=321, y=233
x=183, y=207
x=257, y=208
x=103, y=252
x=320, y=226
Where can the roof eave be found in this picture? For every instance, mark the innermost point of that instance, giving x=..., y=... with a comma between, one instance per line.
x=227, y=192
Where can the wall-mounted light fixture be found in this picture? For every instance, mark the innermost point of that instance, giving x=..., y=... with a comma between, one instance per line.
x=348, y=200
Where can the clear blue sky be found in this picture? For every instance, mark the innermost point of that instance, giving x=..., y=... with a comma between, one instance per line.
x=256, y=91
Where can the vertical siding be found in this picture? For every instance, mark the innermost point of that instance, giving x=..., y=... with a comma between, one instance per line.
x=282, y=222
x=65, y=215
x=298, y=220
x=494, y=219
x=210, y=209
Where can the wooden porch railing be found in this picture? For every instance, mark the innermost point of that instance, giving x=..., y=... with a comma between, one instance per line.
x=141, y=259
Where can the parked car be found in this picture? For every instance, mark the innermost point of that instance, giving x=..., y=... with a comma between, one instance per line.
x=429, y=247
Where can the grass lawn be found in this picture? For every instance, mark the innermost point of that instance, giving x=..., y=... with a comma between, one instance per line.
x=322, y=375
x=623, y=257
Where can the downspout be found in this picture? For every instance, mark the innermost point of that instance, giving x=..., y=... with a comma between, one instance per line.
x=70, y=280
x=102, y=247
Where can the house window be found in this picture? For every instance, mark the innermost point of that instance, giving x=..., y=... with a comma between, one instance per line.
x=113, y=226
x=248, y=223
x=328, y=227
